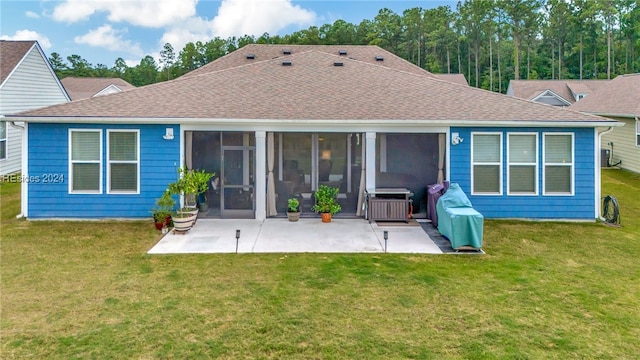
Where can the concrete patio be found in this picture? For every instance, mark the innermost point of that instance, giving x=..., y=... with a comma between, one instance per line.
x=307, y=235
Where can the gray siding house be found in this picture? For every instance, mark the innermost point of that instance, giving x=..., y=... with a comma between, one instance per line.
x=27, y=82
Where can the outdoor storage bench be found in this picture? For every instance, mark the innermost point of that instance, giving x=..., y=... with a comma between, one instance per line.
x=458, y=221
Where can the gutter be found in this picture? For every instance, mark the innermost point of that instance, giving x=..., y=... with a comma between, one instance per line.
x=16, y=126
x=345, y=123
x=23, y=185
x=599, y=176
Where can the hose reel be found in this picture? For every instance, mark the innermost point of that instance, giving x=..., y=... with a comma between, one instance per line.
x=610, y=210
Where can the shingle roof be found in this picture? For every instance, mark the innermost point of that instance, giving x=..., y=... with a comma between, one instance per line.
x=86, y=87
x=11, y=52
x=260, y=52
x=454, y=78
x=620, y=96
x=313, y=88
x=530, y=89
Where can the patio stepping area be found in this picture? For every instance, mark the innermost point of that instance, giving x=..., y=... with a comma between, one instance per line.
x=304, y=236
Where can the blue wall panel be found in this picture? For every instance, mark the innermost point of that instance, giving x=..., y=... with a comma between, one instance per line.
x=581, y=205
x=49, y=155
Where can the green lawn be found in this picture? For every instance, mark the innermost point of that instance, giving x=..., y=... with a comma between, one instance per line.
x=544, y=290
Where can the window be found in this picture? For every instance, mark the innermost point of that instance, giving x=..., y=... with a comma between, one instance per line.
x=486, y=160
x=558, y=164
x=637, y=132
x=85, y=148
x=3, y=140
x=522, y=158
x=123, y=165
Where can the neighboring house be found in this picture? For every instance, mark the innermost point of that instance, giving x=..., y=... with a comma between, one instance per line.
x=619, y=99
x=277, y=121
x=553, y=92
x=86, y=87
x=27, y=82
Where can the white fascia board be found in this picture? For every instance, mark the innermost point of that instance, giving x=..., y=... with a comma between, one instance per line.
x=306, y=124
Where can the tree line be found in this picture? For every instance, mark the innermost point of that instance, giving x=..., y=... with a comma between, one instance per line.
x=489, y=41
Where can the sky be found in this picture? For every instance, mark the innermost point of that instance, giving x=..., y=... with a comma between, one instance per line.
x=100, y=31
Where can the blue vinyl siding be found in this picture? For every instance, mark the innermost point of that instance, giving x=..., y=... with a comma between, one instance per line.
x=580, y=205
x=49, y=154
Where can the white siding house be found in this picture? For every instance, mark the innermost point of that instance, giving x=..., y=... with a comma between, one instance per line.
x=618, y=100
x=27, y=82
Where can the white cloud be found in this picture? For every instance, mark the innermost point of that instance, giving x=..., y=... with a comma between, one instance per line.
x=74, y=10
x=238, y=18
x=32, y=15
x=196, y=29
x=179, y=20
x=145, y=13
x=132, y=63
x=107, y=37
x=29, y=35
x=255, y=17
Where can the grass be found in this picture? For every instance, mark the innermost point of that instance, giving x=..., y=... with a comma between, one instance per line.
x=544, y=290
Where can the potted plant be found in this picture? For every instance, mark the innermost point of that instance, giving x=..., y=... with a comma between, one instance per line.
x=190, y=184
x=326, y=202
x=162, y=211
x=293, y=209
x=183, y=221
x=200, y=180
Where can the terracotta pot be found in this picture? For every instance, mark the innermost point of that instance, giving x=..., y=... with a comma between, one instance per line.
x=326, y=217
x=161, y=224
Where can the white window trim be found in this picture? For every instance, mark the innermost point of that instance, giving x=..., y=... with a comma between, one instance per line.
x=71, y=162
x=5, y=139
x=137, y=162
x=572, y=164
x=536, y=165
x=473, y=164
x=637, y=132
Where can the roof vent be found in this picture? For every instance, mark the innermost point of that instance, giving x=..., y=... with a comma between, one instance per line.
x=286, y=63
x=286, y=52
x=342, y=52
x=251, y=56
x=338, y=63
x=379, y=58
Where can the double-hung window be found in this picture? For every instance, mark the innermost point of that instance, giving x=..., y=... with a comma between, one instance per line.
x=3, y=140
x=558, y=172
x=637, y=132
x=123, y=156
x=522, y=158
x=486, y=160
x=85, y=149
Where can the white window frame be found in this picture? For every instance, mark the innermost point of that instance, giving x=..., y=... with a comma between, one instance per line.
x=572, y=164
x=71, y=162
x=637, y=132
x=110, y=162
x=535, y=164
x=499, y=163
x=4, y=140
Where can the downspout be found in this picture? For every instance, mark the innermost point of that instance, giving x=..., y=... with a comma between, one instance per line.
x=599, y=173
x=23, y=185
